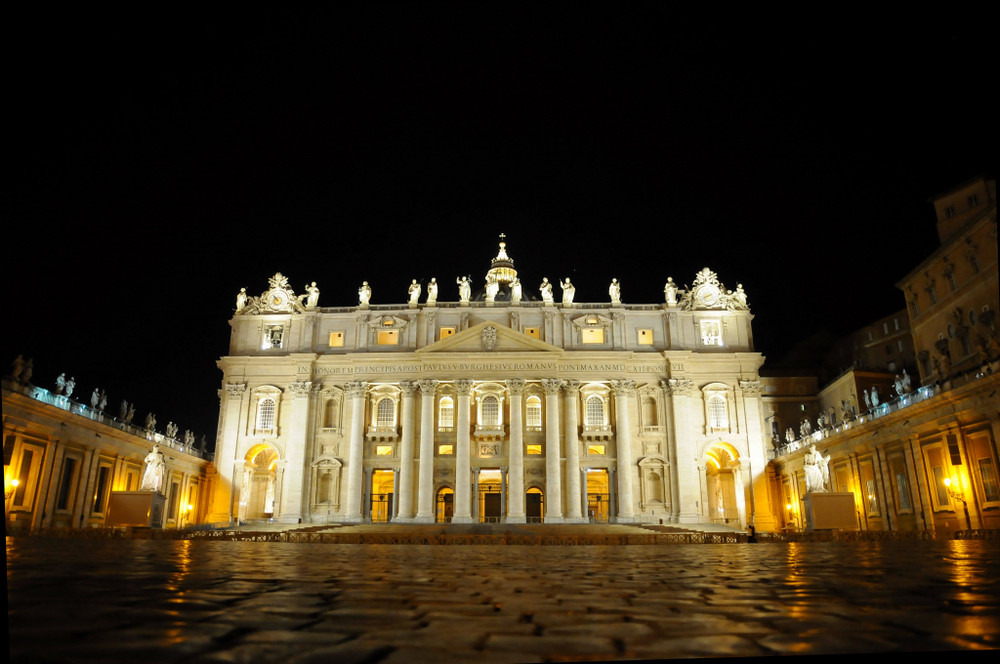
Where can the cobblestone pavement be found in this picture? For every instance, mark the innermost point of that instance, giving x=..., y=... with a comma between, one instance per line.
x=216, y=601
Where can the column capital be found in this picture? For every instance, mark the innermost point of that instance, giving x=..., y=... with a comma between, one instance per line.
x=408, y=387
x=623, y=388
x=464, y=386
x=552, y=386
x=299, y=389
x=356, y=388
x=428, y=387
x=572, y=387
x=235, y=390
x=679, y=387
x=750, y=388
x=516, y=386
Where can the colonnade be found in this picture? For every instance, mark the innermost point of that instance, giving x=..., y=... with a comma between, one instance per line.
x=562, y=399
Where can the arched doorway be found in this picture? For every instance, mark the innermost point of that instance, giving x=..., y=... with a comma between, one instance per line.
x=445, y=505
x=598, y=495
x=257, y=488
x=490, y=495
x=534, y=503
x=723, y=485
x=383, y=486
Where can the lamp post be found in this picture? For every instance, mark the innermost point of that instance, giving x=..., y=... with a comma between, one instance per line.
x=10, y=491
x=956, y=494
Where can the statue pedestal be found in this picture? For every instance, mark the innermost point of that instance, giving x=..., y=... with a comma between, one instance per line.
x=141, y=509
x=830, y=511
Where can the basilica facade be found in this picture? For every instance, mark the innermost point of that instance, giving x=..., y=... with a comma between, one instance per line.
x=507, y=405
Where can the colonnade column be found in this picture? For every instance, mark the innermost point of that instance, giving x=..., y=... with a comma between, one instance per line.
x=356, y=393
x=623, y=444
x=425, y=486
x=574, y=503
x=405, y=488
x=553, y=483
x=463, y=444
x=224, y=486
x=515, y=476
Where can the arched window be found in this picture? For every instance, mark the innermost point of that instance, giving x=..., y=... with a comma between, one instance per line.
x=490, y=411
x=385, y=413
x=446, y=413
x=594, y=413
x=533, y=413
x=718, y=415
x=266, y=409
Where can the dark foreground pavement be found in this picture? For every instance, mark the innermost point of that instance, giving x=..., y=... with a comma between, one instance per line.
x=83, y=600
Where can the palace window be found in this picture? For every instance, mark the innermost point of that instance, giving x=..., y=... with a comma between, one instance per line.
x=490, y=411
x=385, y=413
x=267, y=408
x=594, y=413
x=336, y=339
x=718, y=415
x=592, y=335
x=645, y=337
x=388, y=337
x=273, y=335
x=446, y=413
x=533, y=413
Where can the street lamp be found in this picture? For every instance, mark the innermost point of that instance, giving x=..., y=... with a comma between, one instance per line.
x=10, y=491
x=956, y=494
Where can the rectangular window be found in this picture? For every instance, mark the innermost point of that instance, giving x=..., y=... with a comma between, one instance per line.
x=902, y=485
x=101, y=493
x=988, y=476
x=445, y=332
x=533, y=449
x=645, y=337
x=593, y=335
x=711, y=333
x=596, y=450
x=66, y=484
x=273, y=335
x=533, y=332
x=336, y=339
x=446, y=449
x=870, y=496
x=383, y=450
x=388, y=337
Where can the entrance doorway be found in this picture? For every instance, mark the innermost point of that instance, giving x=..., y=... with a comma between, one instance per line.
x=490, y=495
x=722, y=485
x=383, y=485
x=445, y=505
x=257, y=490
x=598, y=495
x=534, y=502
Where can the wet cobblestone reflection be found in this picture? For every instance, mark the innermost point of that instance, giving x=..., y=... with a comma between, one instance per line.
x=217, y=601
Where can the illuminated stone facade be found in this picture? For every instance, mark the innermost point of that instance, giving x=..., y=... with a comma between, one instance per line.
x=512, y=405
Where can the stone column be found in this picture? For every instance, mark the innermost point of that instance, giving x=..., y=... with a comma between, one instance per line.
x=623, y=443
x=574, y=503
x=763, y=516
x=223, y=489
x=553, y=457
x=463, y=448
x=515, y=477
x=686, y=454
x=292, y=488
x=404, y=490
x=355, y=464
x=425, y=487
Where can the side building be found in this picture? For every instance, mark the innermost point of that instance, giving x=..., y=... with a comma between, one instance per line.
x=920, y=456
x=500, y=406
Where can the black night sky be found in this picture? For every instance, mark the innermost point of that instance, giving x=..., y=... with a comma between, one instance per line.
x=158, y=163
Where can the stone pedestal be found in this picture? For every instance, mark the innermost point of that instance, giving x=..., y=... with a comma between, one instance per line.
x=830, y=511
x=142, y=509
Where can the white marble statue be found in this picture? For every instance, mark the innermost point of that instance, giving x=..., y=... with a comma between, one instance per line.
x=568, y=292
x=464, y=289
x=152, y=477
x=790, y=435
x=805, y=428
x=95, y=397
x=868, y=401
x=130, y=414
x=875, y=396
x=492, y=288
x=432, y=292
x=670, y=291
x=545, y=288
x=364, y=295
x=515, y=291
x=816, y=470
x=150, y=422
x=740, y=297
x=241, y=299
x=414, y=293
x=906, y=381
x=615, y=292
x=70, y=384
x=312, y=295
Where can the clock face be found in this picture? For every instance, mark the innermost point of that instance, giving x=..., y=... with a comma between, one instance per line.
x=708, y=295
x=277, y=299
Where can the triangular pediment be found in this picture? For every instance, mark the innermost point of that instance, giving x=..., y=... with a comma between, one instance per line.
x=490, y=337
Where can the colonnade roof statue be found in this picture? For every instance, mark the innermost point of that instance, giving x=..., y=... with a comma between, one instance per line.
x=502, y=285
